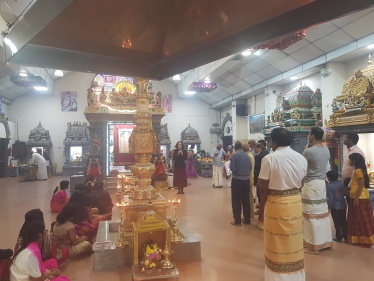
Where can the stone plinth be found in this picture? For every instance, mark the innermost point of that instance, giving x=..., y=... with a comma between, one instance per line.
x=189, y=249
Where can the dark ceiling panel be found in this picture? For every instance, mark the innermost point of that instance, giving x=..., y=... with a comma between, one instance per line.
x=159, y=38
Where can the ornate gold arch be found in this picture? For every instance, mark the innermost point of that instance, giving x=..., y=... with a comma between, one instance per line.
x=6, y=125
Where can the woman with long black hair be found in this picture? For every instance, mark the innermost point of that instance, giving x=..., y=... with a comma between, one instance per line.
x=64, y=235
x=360, y=212
x=27, y=261
x=180, y=176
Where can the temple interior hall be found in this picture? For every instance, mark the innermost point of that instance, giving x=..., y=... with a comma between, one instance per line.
x=140, y=102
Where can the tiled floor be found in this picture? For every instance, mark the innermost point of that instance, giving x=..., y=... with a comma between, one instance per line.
x=228, y=252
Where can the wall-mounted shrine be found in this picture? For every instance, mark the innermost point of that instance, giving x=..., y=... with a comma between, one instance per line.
x=39, y=138
x=190, y=136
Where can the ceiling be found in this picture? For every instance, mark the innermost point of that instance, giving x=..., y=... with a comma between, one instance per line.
x=157, y=39
x=339, y=40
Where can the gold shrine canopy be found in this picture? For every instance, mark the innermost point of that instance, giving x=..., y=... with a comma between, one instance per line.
x=160, y=38
x=355, y=106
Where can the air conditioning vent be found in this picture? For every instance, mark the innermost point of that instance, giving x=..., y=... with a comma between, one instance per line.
x=215, y=130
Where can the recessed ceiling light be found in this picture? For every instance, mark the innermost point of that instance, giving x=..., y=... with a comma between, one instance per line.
x=189, y=93
x=59, y=73
x=371, y=46
x=23, y=74
x=176, y=77
x=246, y=53
x=207, y=80
x=293, y=78
x=41, y=88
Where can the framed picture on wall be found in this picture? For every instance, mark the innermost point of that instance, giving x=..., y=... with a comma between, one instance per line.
x=256, y=123
x=69, y=101
x=166, y=103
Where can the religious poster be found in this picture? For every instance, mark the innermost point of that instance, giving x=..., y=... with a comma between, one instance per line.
x=123, y=140
x=69, y=101
x=256, y=123
x=121, y=146
x=166, y=101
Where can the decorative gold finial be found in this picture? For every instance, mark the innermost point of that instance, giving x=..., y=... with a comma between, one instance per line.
x=369, y=61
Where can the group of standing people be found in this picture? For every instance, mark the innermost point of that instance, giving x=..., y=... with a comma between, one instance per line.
x=297, y=206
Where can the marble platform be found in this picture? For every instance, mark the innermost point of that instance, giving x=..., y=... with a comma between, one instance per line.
x=189, y=249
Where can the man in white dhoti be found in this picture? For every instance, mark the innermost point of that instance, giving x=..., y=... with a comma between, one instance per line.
x=316, y=220
x=218, y=154
x=42, y=168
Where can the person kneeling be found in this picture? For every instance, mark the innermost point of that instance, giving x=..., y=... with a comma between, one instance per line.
x=59, y=197
x=64, y=235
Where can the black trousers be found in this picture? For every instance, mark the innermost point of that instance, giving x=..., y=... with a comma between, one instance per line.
x=340, y=221
x=346, y=183
x=240, y=200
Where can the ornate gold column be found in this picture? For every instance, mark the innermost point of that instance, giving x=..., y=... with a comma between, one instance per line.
x=143, y=144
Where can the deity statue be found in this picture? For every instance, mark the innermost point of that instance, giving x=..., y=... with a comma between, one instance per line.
x=334, y=105
x=113, y=95
x=102, y=96
x=95, y=145
x=91, y=96
x=157, y=98
x=268, y=119
x=272, y=117
x=280, y=100
x=295, y=114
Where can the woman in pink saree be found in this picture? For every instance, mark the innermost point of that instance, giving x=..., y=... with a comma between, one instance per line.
x=190, y=167
x=27, y=262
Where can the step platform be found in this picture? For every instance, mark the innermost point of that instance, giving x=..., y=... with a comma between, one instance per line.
x=189, y=249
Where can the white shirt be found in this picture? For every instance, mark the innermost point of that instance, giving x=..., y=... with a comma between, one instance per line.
x=284, y=169
x=37, y=158
x=25, y=265
x=347, y=170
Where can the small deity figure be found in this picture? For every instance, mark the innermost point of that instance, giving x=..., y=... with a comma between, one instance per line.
x=102, y=96
x=295, y=114
x=280, y=100
x=157, y=98
x=113, y=95
x=268, y=119
x=90, y=96
x=95, y=147
x=350, y=100
x=334, y=105
x=272, y=117
x=361, y=101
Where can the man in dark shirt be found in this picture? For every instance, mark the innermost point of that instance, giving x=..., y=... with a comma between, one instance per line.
x=261, y=152
x=100, y=199
x=240, y=167
x=336, y=203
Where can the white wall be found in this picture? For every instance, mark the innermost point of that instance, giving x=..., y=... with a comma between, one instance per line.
x=188, y=111
x=5, y=109
x=31, y=109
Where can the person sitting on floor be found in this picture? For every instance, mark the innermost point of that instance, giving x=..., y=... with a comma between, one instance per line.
x=5, y=260
x=27, y=261
x=84, y=225
x=59, y=198
x=64, y=235
x=89, y=183
x=45, y=246
x=100, y=199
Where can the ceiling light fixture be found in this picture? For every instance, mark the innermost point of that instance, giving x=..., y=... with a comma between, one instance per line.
x=59, y=73
x=189, y=93
x=246, y=53
x=371, y=46
x=23, y=74
x=293, y=78
x=207, y=80
x=41, y=88
x=176, y=77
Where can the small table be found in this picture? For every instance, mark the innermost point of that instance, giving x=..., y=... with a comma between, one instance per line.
x=153, y=274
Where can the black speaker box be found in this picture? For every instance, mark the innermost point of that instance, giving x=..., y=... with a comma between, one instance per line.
x=240, y=110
